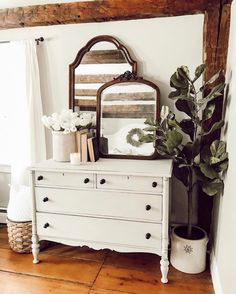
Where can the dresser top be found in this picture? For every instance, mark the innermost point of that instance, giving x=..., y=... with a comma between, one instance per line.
x=161, y=167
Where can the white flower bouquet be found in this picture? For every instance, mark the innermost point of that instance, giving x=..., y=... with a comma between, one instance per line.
x=68, y=121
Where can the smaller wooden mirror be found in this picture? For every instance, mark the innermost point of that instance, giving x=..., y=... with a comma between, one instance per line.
x=123, y=105
x=98, y=62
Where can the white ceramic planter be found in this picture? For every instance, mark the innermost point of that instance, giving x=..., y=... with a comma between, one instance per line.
x=188, y=256
x=63, y=145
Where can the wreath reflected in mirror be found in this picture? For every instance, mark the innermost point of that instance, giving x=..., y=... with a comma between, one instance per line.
x=134, y=137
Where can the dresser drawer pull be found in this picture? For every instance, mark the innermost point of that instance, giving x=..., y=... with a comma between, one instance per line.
x=46, y=225
x=154, y=184
x=40, y=178
x=148, y=207
x=86, y=180
x=45, y=199
x=103, y=181
x=148, y=236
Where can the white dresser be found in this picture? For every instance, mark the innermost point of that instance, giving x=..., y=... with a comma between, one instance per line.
x=118, y=204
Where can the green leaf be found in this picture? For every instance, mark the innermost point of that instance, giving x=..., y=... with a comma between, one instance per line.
x=214, y=77
x=147, y=138
x=174, y=94
x=206, y=154
x=172, y=123
x=150, y=129
x=218, y=152
x=216, y=126
x=187, y=127
x=222, y=166
x=215, y=160
x=218, y=148
x=161, y=148
x=208, y=171
x=212, y=188
x=184, y=106
x=150, y=121
x=199, y=71
x=178, y=82
x=183, y=72
x=174, y=139
x=208, y=111
x=182, y=174
x=215, y=92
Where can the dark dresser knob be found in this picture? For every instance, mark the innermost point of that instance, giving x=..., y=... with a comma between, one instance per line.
x=46, y=225
x=45, y=199
x=148, y=236
x=103, y=181
x=86, y=180
x=40, y=178
x=148, y=207
x=154, y=184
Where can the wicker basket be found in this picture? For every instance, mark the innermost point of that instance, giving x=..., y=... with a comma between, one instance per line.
x=19, y=236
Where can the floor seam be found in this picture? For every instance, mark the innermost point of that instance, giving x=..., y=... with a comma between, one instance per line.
x=43, y=277
x=98, y=272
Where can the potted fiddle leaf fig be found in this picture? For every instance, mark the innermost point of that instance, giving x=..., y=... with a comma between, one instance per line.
x=198, y=162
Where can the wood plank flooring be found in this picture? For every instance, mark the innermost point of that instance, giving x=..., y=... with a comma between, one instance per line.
x=67, y=270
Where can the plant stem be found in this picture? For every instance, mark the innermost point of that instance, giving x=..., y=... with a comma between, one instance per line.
x=190, y=201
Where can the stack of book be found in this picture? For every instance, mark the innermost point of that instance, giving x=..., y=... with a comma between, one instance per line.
x=87, y=146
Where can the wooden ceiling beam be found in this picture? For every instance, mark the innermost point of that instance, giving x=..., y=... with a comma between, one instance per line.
x=99, y=11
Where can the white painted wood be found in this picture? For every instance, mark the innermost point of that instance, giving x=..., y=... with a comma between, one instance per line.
x=132, y=183
x=99, y=229
x=159, y=168
x=165, y=231
x=112, y=215
x=103, y=245
x=96, y=203
x=66, y=179
x=35, y=240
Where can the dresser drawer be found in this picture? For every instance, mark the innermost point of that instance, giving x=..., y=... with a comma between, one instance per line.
x=64, y=179
x=132, y=183
x=98, y=230
x=99, y=203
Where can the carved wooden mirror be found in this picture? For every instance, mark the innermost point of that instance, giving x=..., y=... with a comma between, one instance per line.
x=123, y=105
x=98, y=62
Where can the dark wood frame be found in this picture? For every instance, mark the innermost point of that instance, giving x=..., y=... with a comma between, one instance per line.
x=85, y=49
x=127, y=77
x=216, y=20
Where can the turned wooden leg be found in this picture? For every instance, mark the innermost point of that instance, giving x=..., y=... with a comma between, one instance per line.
x=35, y=249
x=164, y=269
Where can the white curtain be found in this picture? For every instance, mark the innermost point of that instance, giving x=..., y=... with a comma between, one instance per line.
x=27, y=137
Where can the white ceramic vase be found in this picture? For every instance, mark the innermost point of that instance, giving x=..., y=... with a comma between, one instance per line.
x=189, y=256
x=63, y=145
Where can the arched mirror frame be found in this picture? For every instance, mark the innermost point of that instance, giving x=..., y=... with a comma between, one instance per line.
x=84, y=50
x=126, y=78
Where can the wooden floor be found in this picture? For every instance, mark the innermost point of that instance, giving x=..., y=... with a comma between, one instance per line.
x=66, y=270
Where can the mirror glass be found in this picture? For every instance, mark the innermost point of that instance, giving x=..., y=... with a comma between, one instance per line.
x=123, y=109
x=102, y=59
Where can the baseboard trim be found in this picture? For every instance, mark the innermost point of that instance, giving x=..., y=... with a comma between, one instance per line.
x=3, y=217
x=215, y=273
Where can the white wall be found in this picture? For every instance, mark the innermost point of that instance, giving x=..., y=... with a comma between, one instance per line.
x=224, y=258
x=159, y=45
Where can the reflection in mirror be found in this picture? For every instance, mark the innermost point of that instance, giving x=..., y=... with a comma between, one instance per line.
x=123, y=107
x=102, y=59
